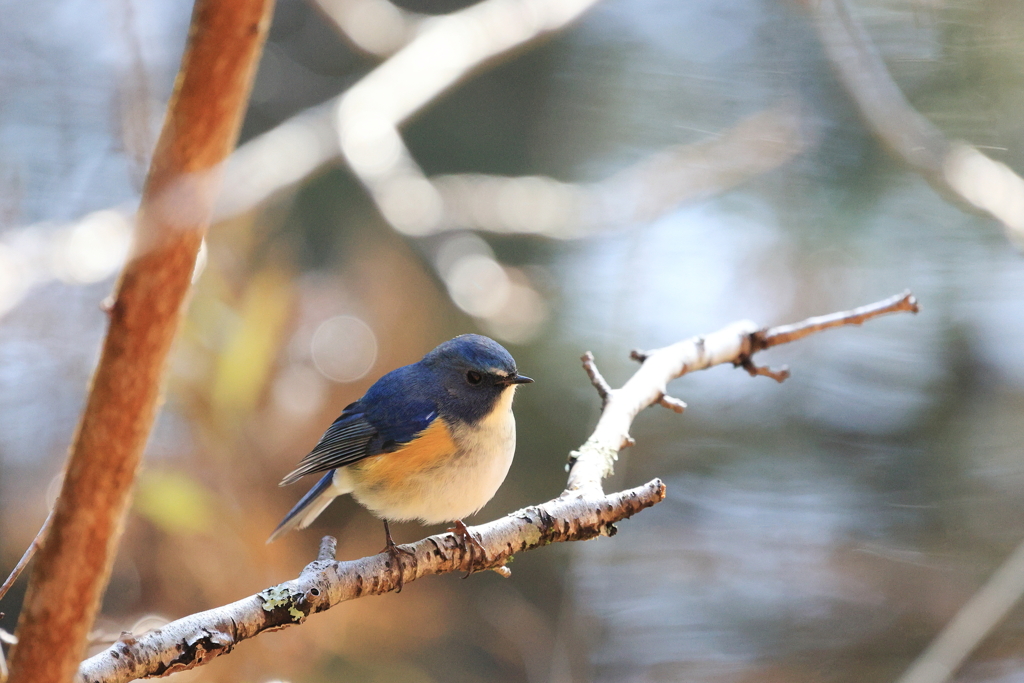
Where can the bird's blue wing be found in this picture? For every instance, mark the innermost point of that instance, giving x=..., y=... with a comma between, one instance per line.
x=388, y=416
x=343, y=443
x=400, y=406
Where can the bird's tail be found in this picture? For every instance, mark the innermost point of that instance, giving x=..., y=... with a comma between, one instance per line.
x=316, y=500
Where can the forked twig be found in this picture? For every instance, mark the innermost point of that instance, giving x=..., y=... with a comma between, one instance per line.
x=734, y=344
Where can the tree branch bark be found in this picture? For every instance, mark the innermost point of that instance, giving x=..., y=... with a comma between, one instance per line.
x=583, y=511
x=203, y=120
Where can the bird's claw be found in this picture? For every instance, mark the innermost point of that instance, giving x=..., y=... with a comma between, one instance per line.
x=470, y=544
x=396, y=551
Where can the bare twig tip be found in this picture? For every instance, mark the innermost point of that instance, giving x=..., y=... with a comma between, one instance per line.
x=672, y=403
x=905, y=302
x=107, y=304
x=604, y=390
x=912, y=303
x=779, y=376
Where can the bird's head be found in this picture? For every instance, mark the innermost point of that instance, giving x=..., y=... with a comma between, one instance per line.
x=474, y=372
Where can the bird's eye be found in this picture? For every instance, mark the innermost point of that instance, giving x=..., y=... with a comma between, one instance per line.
x=474, y=377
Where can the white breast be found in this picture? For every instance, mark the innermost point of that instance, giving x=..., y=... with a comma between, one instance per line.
x=487, y=449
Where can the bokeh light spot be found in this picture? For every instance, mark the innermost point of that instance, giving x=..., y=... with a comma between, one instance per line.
x=454, y=249
x=411, y=204
x=520, y=320
x=94, y=248
x=371, y=146
x=174, y=502
x=344, y=348
x=299, y=391
x=478, y=285
x=13, y=279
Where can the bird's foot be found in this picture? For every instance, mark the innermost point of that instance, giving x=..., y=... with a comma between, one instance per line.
x=396, y=551
x=470, y=544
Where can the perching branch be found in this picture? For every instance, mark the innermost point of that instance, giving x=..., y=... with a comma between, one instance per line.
x=197, y=639
x=955, y=169
x=201, y=128
x=583, y=511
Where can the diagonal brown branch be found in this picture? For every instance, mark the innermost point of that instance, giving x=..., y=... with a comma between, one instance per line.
x=202, y=126
x=583, y=511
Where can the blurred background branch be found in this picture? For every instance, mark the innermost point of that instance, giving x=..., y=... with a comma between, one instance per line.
x=955, y=169
x=370, y=113
x=377, y=27
x=971, y=625
x=639, y=193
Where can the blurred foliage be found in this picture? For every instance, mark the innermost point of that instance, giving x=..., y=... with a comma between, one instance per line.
x=174, y=502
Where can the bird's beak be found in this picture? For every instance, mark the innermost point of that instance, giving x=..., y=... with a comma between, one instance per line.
x=518, y=379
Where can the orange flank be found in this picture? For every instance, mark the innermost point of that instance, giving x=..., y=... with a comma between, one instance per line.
x=433, y=447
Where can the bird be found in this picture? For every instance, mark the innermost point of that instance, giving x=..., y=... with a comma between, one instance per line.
x=431, y=441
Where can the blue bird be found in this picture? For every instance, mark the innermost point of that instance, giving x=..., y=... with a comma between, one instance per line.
x=431, y=441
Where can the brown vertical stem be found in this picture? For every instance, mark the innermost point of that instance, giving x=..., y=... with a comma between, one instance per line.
x=204, y=116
